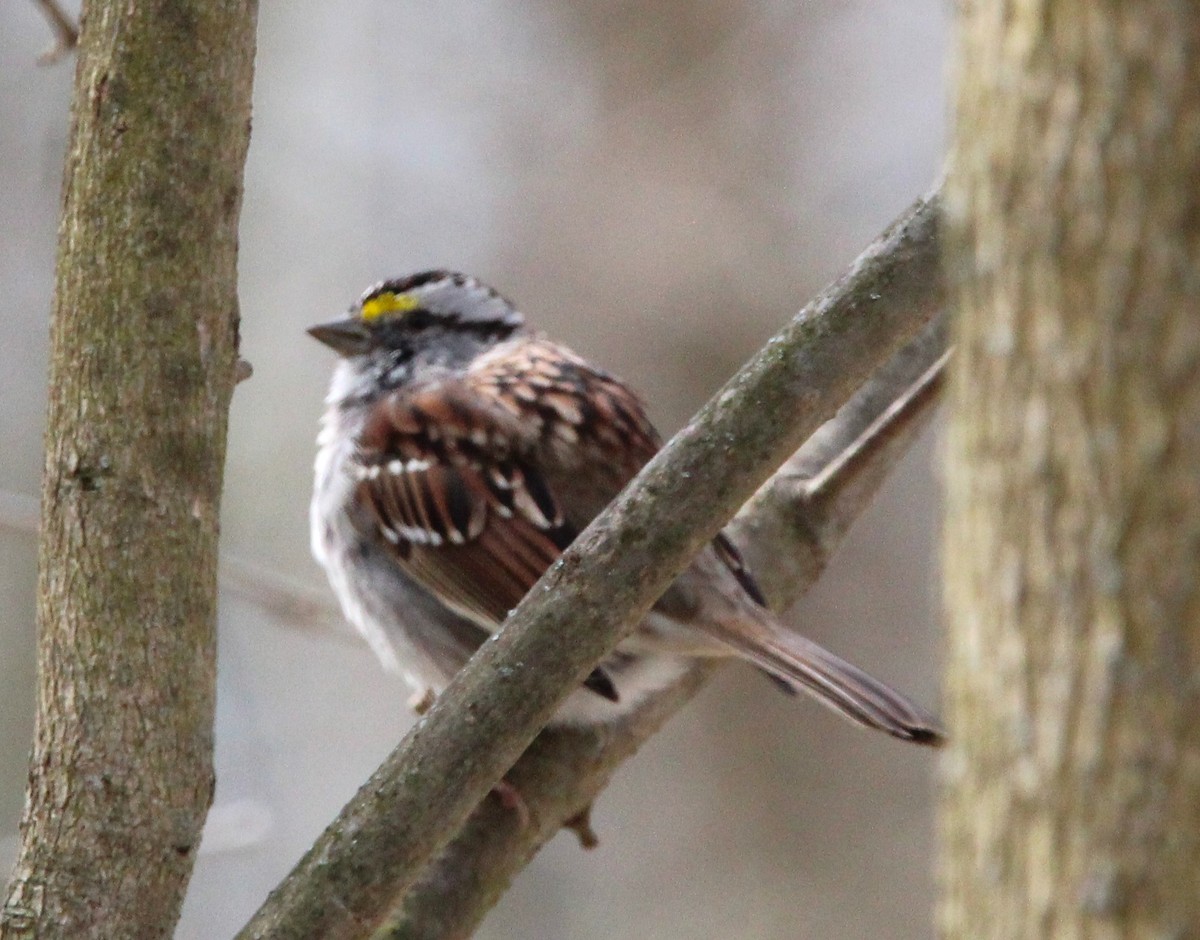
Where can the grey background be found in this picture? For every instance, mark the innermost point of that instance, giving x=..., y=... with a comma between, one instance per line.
x=659, y=185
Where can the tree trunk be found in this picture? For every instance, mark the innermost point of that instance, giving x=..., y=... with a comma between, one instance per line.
x=143, y=350
x=1072, y=787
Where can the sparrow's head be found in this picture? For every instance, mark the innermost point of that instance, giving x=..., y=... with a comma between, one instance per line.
x=397, y=314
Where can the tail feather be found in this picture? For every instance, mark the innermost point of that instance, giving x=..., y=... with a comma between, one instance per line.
x=800, y=664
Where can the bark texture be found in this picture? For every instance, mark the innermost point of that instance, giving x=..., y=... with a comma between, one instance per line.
x=1072, y=786
x=143, y=346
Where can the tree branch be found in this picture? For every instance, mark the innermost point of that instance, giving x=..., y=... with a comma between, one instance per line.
x=282, y=598
x=275, y=594
x=794, y=523
x=66, y=33
x=796, y=520
x=143, y=346
x=602, y=587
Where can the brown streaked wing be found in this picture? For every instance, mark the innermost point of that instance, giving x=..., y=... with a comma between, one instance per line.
x=476, y=531
x=570, y=409
x=548, y=388
x=588, y=431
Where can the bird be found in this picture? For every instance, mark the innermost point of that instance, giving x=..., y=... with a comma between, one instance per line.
x=460, y=452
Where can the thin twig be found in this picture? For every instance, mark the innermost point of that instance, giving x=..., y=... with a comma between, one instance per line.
x=281, y=598
x=836, y=437
x=839, y=473
x=791, y=527
x=66, y=32
x=276, y=595
x=602, y=587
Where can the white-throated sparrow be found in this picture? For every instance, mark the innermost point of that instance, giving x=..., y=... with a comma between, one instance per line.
x=461, y=453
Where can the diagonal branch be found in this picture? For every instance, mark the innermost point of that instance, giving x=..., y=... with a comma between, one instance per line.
x=796, y=520
x=601, y=588
x=794, y=523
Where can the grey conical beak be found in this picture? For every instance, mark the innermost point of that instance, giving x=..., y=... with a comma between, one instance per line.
x=349, y=336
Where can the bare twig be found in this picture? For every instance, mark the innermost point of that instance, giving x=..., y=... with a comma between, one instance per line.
x=602, y=587
x=792, y=525
x=282, y=598
x=839, y=473
x=66, y=32
x=797, y=521
x=275, y=594
x=829, y=498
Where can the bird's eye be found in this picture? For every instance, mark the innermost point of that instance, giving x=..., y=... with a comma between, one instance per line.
x=386, y=304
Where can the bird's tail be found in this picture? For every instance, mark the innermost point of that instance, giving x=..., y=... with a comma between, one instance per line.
x=800, y=664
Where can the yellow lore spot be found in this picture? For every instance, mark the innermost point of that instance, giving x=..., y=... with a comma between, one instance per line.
x=387, y=303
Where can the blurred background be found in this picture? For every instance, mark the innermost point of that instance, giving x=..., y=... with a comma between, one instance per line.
x=659, y=185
